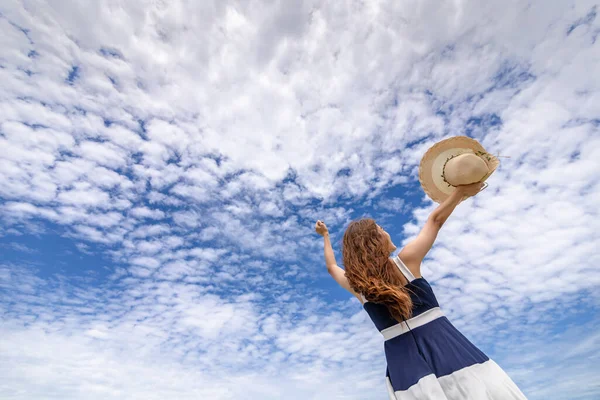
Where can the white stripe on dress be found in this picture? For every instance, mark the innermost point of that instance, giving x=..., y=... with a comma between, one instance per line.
x=485, y=381
x=405, y=326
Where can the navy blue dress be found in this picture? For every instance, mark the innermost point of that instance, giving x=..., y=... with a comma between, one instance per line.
x=428, y=358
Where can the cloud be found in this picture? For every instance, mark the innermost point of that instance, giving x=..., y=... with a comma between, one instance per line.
x=145, y=212
x=183, y=330
x=18, y=247
x=192, y=147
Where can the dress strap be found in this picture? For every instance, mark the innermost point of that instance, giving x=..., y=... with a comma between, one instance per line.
x=364, y=299
x=404, y=269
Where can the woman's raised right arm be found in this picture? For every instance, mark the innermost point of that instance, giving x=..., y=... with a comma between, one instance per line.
x=334, y=270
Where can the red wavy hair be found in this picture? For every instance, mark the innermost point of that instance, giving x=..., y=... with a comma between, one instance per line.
x=369, y=270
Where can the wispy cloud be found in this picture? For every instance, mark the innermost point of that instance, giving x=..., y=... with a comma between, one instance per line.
x=190, y=147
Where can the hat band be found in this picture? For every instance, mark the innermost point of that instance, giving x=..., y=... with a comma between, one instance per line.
x=444, y=170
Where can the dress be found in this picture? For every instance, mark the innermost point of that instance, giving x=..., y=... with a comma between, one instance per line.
x=429, y=359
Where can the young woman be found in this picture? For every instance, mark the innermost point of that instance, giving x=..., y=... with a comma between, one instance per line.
x=427, y=357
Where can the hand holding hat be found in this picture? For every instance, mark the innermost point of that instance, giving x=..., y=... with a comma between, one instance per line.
x=472, y=189
x=454, y=162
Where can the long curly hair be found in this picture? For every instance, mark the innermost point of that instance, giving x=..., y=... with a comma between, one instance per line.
x=370, y=271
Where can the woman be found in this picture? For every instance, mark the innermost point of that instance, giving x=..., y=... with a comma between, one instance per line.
x=427, y=357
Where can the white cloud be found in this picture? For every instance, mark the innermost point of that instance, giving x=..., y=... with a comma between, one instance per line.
x=195, y=145
x=84, y=195
x=145, y=212
x=145, y=261
x=105, y=154
x=203, y=336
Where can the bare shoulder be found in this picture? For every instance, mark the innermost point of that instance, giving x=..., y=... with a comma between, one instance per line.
x=413, y=265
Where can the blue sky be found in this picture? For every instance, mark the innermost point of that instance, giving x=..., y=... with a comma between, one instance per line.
x=162, y=165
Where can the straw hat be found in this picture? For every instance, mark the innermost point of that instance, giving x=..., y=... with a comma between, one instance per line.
x=456, y=161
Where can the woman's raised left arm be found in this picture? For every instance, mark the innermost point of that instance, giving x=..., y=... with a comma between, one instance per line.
x=415, y=251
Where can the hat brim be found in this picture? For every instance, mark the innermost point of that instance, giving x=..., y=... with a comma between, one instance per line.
x=432, y=164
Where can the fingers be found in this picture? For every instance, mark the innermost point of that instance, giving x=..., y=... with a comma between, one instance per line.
x=470, y=189
x=320, y=227
x=478, y=187
x=475, y=188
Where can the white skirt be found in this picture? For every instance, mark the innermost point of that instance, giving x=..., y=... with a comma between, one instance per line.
x=485, y=381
